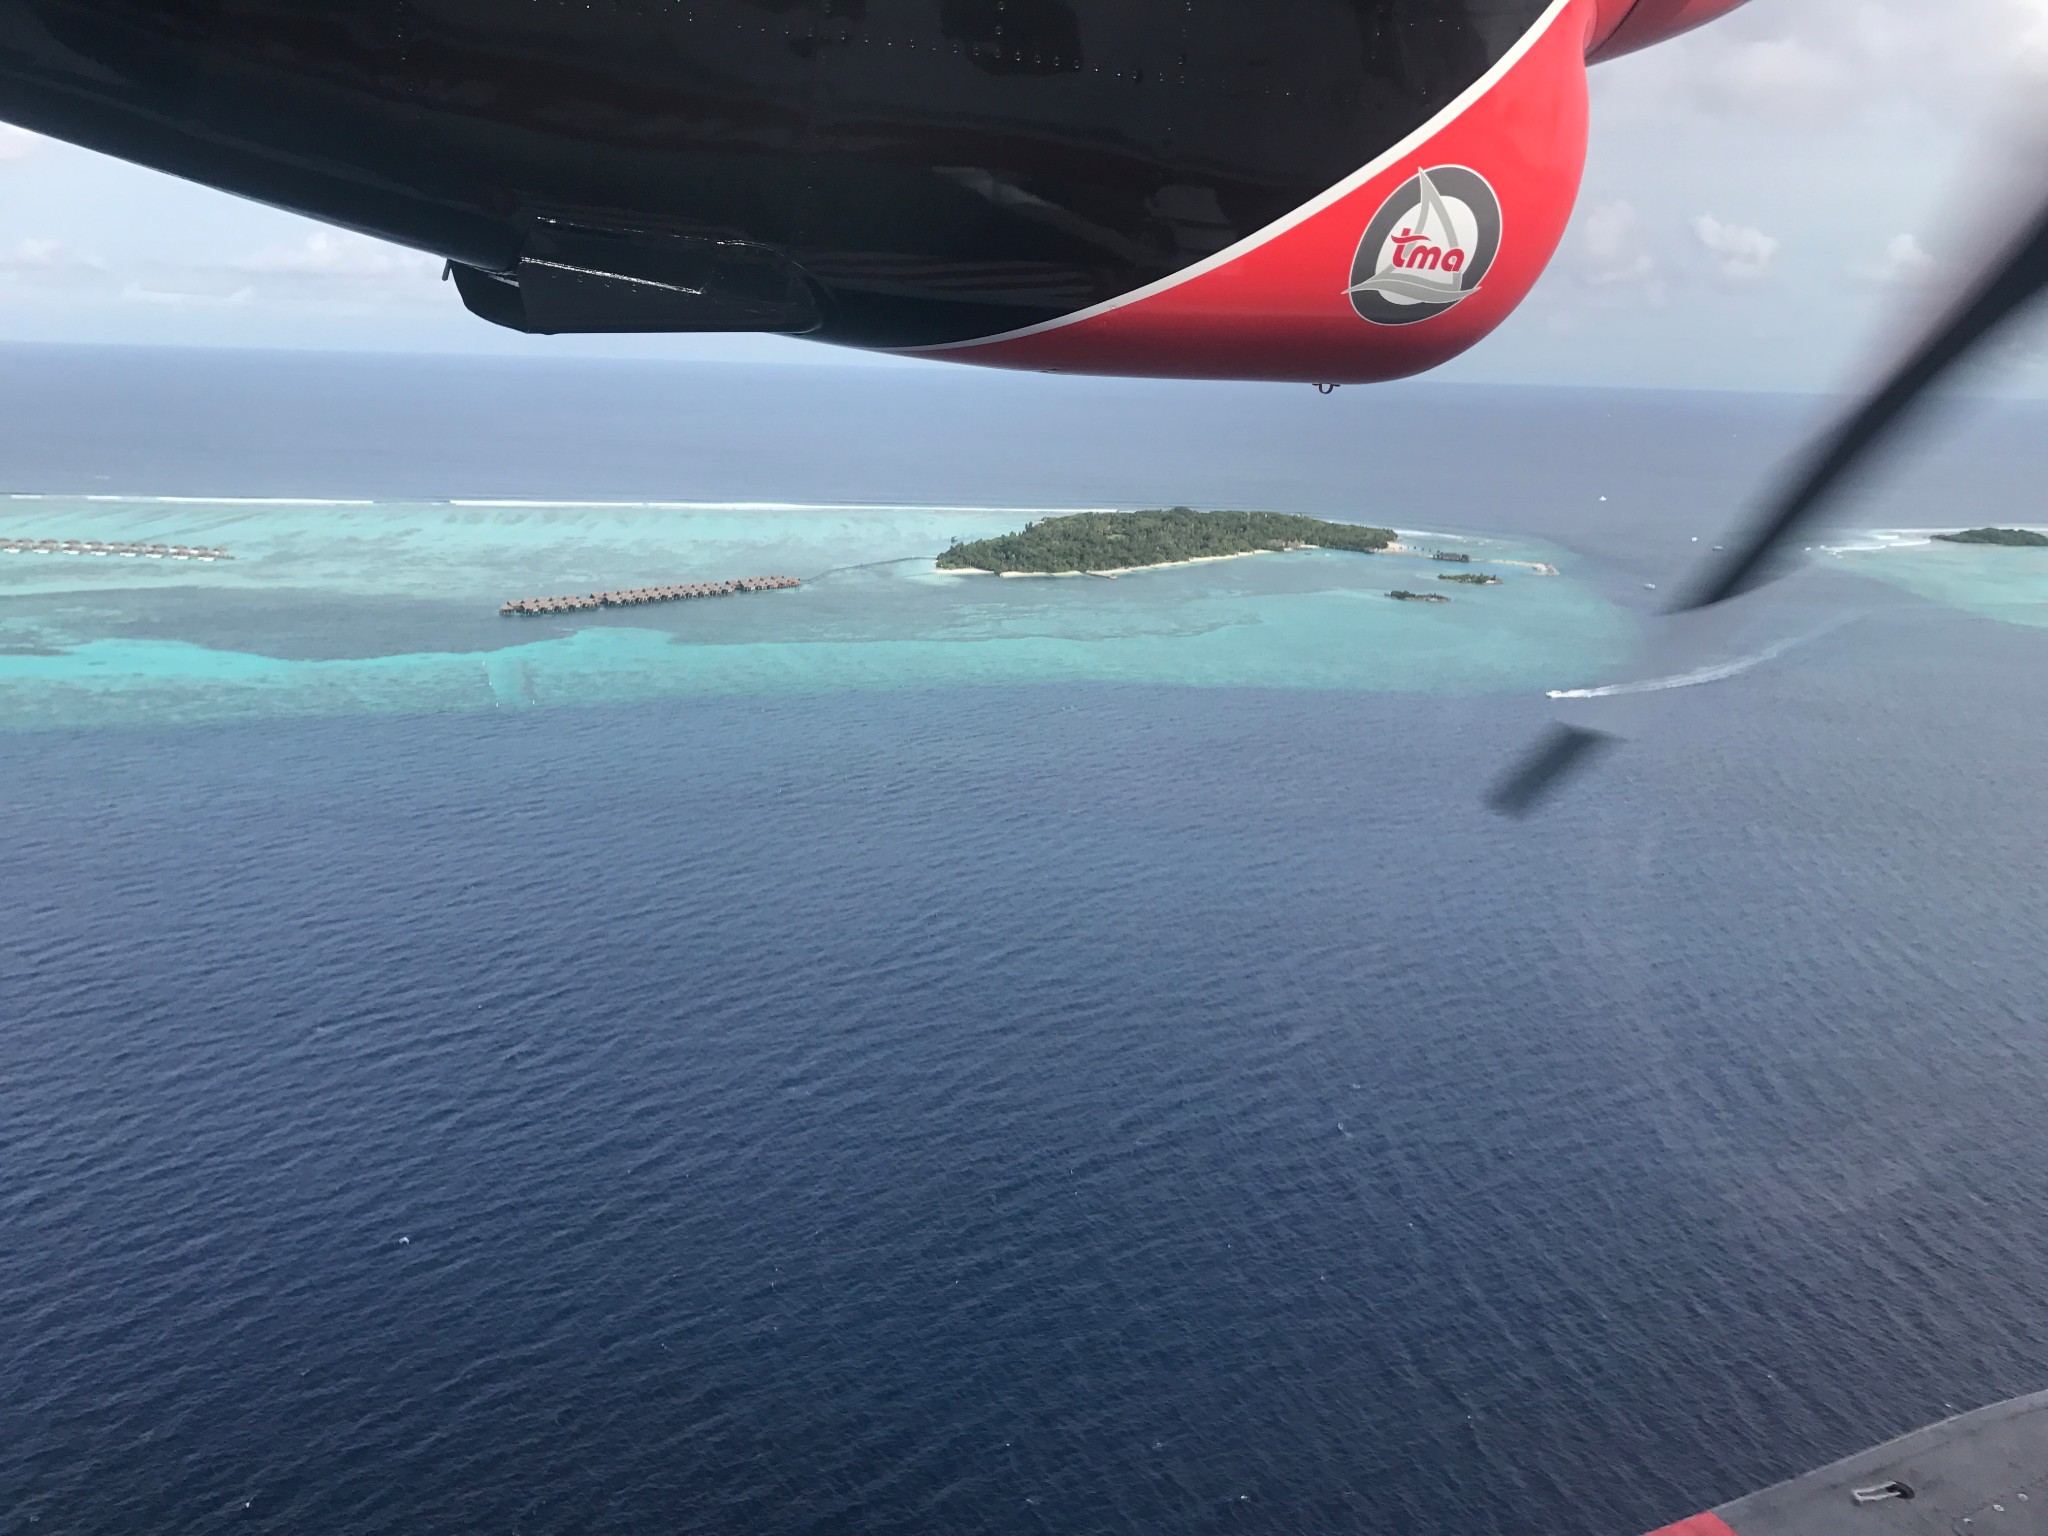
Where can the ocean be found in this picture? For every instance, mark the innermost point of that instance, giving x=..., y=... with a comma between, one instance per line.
x=931, y=1053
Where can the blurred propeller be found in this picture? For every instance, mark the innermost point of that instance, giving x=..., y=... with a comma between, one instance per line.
x=2014, y=278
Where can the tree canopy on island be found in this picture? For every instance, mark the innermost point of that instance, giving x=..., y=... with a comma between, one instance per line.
x=2020, y=537
x=1108, y=541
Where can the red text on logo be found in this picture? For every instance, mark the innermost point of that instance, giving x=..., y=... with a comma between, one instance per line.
x=1414, y=253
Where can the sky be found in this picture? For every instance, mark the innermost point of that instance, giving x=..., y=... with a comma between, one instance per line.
x=1768, y=204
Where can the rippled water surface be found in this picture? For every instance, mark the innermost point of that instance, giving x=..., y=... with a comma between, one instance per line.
x=1133, y=1094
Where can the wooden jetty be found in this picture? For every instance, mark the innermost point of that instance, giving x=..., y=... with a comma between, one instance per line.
x=633, y=597
x=115, y=547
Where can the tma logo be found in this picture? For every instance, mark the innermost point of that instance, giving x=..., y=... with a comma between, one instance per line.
x=1427, y=248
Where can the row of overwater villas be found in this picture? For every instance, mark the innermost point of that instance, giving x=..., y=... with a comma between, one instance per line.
x=633, y=596
x=116, y=547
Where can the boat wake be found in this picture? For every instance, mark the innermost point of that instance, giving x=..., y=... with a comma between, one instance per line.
x=1717, y=673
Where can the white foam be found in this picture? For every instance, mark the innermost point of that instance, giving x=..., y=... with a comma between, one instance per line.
x=207, y=501
x=1870, y=540
x=1718, y=672
x=542, y=503
x=771, y=506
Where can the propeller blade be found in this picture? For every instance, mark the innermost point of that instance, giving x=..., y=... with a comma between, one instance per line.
x=2006, y=287
x=1997, y=296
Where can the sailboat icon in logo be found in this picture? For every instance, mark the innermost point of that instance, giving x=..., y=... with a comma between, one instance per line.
x=1427, y=248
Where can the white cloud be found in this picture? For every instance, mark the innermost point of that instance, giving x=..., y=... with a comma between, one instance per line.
x=32, y=252
x=337, y=269
x=1611, y=246
x=39, y=259
x=1905, y=263
x=2024, y=35
x=1740, y=252
x=1837, y=65
x=1780, y=76
x=324, y=270
x=1612, y=253
x=174, y=298
x=17, y=143
x=338, y=253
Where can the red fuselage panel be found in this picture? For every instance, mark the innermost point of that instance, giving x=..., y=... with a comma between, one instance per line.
x=1320, y=190
x=1377, y=280
x=1698, y=1525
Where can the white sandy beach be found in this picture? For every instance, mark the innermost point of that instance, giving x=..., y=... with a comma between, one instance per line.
x=1112, y=572
x=1396, y=548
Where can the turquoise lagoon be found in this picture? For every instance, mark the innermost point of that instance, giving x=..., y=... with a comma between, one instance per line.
x=391, y=607
x=2007, y=584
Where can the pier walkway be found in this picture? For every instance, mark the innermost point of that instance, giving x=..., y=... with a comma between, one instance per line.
x=118, y=547
x=632, y=597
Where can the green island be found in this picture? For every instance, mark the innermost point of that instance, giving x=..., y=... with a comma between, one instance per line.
x=1418, y=597
x=1121, y=541
x=2017, y=538
x=1471, y=579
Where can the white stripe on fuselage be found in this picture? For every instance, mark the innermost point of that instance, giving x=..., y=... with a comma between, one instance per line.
x=1223, y=258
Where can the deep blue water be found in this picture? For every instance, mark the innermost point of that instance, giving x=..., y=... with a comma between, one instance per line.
x=1094, y=1109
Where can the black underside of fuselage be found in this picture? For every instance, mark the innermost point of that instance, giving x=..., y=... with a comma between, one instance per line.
x=877, y=172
